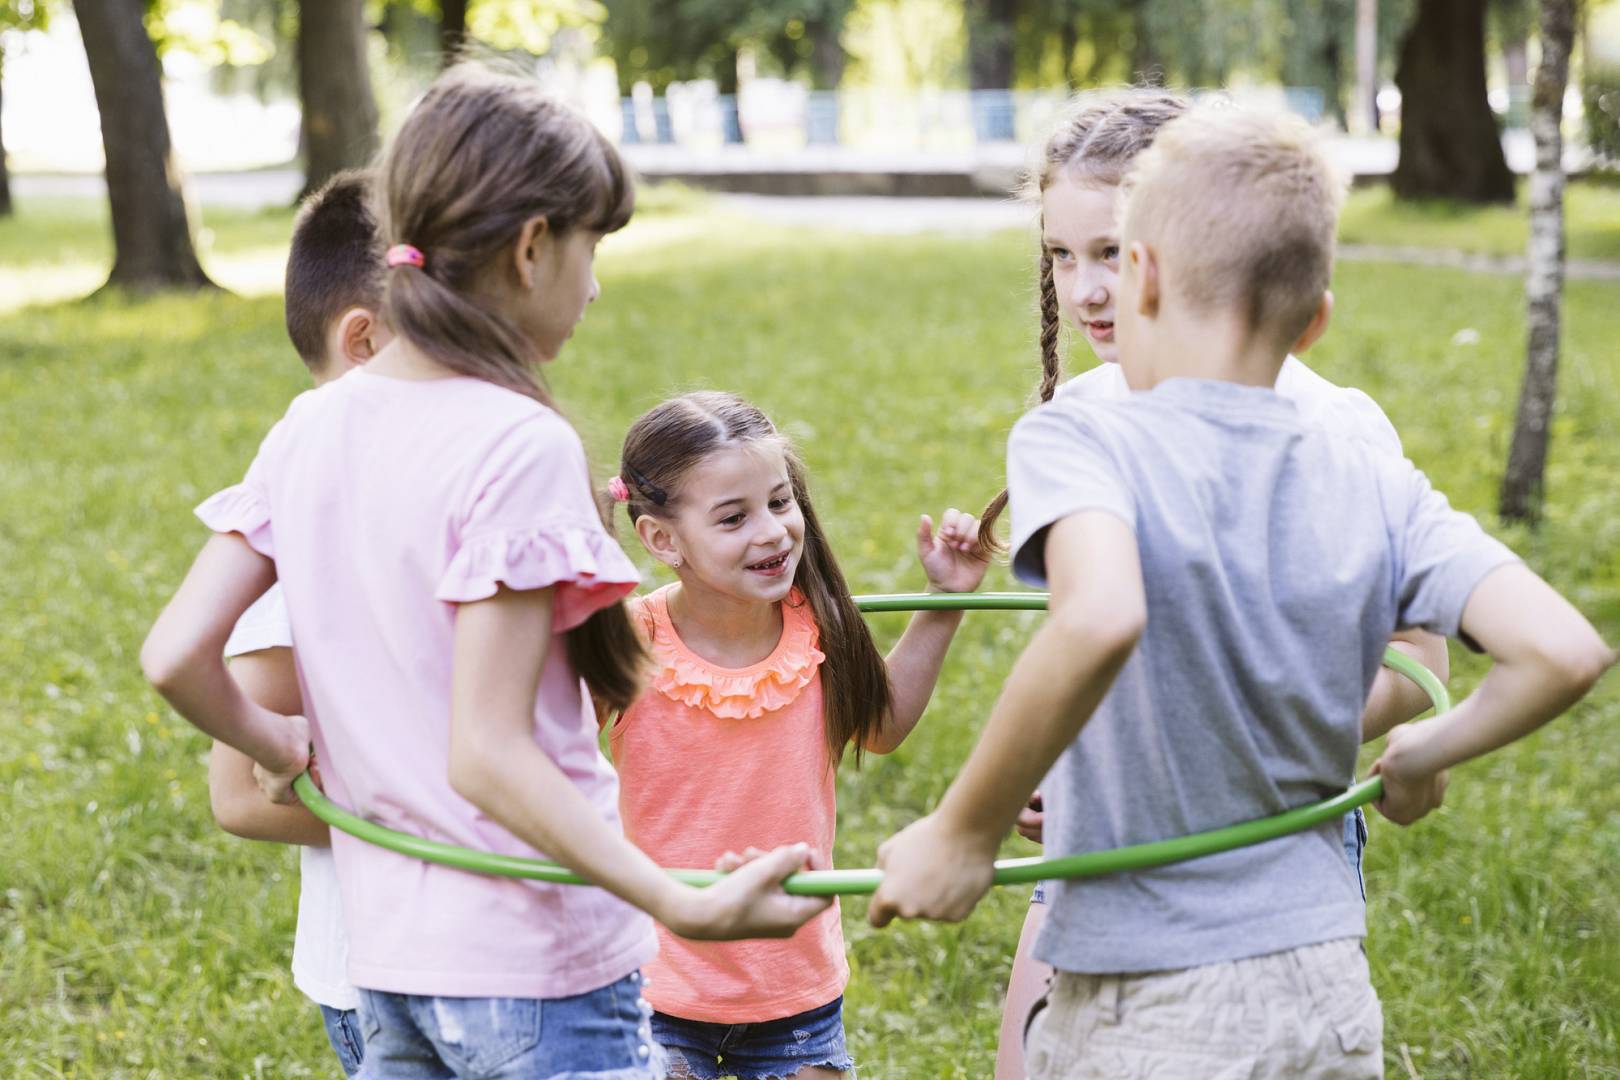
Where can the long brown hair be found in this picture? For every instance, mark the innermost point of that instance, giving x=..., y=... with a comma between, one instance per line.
x=479, y=156
x=1096, y=141
x=662, y=448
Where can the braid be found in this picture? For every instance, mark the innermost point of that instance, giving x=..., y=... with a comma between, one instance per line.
x=1098, y=139
x=1050, y=323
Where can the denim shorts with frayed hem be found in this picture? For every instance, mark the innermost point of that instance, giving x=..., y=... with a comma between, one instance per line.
x=767, y=1050
x=600, y=1035
x=343, y=1032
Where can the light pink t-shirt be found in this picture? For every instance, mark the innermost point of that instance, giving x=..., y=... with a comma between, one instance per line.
x=384, y=502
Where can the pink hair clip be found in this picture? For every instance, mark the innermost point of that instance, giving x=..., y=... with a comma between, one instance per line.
x=405, y=255
x=618, y=489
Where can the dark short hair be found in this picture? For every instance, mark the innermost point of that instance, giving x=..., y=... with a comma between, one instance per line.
x=334, y=264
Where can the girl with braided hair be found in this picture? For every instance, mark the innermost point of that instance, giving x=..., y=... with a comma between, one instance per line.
x=1076, y=179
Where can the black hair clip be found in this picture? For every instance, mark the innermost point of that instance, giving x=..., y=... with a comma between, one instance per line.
x=647, y=488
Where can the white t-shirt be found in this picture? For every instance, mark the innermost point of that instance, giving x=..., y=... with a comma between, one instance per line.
x=1342, y=410
x=320, y=946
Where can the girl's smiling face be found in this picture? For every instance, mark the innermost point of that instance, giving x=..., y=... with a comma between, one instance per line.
x=1080, y=231
x=738, y=529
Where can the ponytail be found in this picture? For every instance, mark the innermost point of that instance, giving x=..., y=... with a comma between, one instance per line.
x=478, y=158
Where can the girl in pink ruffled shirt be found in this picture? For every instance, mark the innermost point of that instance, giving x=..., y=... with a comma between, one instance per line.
x=453, y=592
x=764, y=673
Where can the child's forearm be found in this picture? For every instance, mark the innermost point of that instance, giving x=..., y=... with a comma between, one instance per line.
x=520, y=787
x=914, y=665
x=1547, y=656
x=1511, y=701
x=182, y=656
x=1395, y=699
x=205, y=695
x=241, y=809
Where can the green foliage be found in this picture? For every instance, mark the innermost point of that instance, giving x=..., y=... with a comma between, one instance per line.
x=24, y=15
x=1600, y=97
x=139, y=941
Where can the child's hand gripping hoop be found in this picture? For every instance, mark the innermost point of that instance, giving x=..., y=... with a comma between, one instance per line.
x=865, y=882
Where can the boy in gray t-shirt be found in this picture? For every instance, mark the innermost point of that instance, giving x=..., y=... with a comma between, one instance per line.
x=1224, y=579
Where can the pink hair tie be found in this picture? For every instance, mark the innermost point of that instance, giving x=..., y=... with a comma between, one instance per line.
x=618, y=489
x=405, y=255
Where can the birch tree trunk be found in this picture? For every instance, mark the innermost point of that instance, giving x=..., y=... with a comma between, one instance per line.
x=1544, y=285
x=1365, y=112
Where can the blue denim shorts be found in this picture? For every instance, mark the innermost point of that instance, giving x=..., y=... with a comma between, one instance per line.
x=1355, y=845
x=600, y=1035
x=343, y=1032
x=772, y=1048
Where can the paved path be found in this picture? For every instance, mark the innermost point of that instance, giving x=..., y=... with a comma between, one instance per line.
x=869, y=214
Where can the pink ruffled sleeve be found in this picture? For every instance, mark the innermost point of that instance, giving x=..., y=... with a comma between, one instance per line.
x=245, y=508
x=530, y=522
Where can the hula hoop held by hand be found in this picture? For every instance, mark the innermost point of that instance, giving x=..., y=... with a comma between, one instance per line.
x=865, y=882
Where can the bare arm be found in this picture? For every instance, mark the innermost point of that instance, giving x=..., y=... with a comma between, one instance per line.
x=939, y=867
x=495, y=763
x=183, y=657
x=1394, y=698
x=1547, y=656
x=268, y=677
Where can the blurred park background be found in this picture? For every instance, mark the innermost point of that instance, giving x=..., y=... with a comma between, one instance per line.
x=156, y=148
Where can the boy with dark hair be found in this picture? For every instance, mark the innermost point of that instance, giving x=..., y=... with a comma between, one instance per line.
x=1224, y=580
x=333, y=294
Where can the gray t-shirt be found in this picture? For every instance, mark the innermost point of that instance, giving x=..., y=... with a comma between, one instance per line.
x=1278, y=558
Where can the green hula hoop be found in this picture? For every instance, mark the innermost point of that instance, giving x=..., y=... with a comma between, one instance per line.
x=865, y=882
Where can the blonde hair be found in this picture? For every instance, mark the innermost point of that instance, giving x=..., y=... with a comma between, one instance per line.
x=1096, y=142
x=1242, y=206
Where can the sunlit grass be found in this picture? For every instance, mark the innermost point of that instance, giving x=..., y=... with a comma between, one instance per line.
x=136, y=940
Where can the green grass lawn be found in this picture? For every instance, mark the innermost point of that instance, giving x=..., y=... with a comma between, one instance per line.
x=136, y=940
x=1592, y=218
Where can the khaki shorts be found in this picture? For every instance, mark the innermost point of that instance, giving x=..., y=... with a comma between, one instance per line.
x=1307, y=1012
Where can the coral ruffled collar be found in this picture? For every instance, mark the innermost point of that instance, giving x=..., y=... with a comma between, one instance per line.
x=735, y=693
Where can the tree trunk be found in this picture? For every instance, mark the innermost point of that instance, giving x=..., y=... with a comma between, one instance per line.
x=1333, y=81
x=1147, y=66
x=1366, y=109
x=1544, y=285
x=5, y=171
x=334, y=88
x=151, y=238
x=827, y=55
x=990, y=43
x=452, y=30
x=1450, y=145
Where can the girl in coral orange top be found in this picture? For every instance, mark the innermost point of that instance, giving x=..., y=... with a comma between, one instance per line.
x=764, y=674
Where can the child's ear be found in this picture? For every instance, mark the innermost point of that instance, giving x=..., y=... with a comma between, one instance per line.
x=357, y=332
x=659, y=540
x=532, y=238
x=1317, y=326
x=1145, y=267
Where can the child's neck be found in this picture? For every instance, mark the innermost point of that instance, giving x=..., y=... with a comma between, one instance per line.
x=725, y=630
x=1209, y=347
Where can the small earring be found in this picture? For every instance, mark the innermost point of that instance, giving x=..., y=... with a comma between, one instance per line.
x=676, y=565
